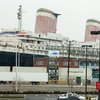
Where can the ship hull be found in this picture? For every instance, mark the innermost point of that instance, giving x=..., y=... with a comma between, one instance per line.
x=23, y=59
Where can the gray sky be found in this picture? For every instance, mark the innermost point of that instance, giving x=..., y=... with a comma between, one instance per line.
x=71, y=23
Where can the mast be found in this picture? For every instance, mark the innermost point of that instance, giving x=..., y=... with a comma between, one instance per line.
x=18, y=52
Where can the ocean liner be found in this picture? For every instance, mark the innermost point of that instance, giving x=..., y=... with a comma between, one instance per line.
x=19, y=47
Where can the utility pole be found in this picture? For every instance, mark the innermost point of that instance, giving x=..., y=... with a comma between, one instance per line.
x=98, y=33
x=68, y=62
x=86, y=47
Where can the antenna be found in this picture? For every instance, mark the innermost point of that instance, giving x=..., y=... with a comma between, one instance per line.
x=19, y=18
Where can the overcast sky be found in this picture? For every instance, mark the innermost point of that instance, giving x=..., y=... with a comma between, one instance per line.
x=71, y=23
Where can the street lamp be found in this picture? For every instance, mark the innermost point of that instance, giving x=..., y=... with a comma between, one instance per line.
x=86, y=47
x=98, y=33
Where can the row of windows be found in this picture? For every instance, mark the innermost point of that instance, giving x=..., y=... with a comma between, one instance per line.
x=39, y=63
x=89, y=64
x=79, y=51
x=65, y=63
x=70, y=63
x=57, y=63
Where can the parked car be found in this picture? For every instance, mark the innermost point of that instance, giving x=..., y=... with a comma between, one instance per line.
x=69, y=96
x=79, y=96
x=62, y=97
x=96, y=98
x=35, y=83
x=73, y=98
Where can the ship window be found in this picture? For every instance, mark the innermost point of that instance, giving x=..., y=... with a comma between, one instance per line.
x=65, y=63
x=38, y=42
x=39, y=62
x=38, y=47
x=92, y=63
x=72, y=63
x=76, y=63
x=81, y=63
x=57, y=63
x=39, y=35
